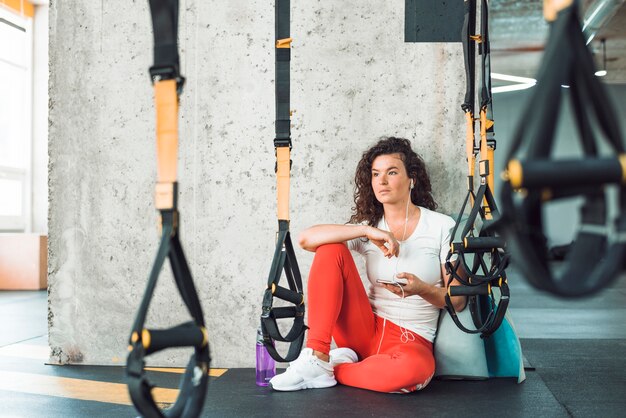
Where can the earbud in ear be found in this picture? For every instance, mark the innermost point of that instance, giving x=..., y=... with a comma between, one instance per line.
x=411, y=186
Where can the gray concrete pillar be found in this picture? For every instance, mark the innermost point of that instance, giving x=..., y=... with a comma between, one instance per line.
x=353, y=80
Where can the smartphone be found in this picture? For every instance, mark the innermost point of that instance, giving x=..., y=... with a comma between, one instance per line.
x=395, y=282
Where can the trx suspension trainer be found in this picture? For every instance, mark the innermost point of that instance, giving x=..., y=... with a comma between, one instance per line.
x=487, y=270
x=168, y=85
x=284, y=255
x=598, y=254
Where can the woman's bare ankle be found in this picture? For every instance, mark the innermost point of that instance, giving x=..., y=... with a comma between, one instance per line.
x=322, y=356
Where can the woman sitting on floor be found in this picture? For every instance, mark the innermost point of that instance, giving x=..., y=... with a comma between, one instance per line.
x=385, y=335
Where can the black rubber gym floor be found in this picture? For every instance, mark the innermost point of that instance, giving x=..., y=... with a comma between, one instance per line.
x=576, y=350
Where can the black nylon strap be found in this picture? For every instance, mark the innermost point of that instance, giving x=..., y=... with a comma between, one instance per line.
x=596, y=257
x=194, y=382
x=184, y=282
x=498, y=262
x=485, y=90
x=284, y=261
x=282, y=88
x=489, y=259
x=165, y=24
x=469, y=54
x=165, y=31
x=190, y=401
x=487, y=318
x=188, y=404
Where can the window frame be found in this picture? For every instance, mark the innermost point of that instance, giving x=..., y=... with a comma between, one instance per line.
x=23, y=174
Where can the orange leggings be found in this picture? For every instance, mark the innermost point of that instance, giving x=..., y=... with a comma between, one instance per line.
x=339, y=308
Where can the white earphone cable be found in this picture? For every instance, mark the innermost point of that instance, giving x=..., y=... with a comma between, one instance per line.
x=406, y=335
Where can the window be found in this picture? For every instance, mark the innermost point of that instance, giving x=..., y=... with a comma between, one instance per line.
x=16, y=52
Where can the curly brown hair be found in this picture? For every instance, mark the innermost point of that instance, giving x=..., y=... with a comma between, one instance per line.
x=366, y=206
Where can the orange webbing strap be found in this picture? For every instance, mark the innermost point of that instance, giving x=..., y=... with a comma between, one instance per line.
x=283, y=158
x=486, y=152
x=483, y=134
x=470, y=143
x=166, y=101
x=552, y=7
x=486, y=158
x=490, y=158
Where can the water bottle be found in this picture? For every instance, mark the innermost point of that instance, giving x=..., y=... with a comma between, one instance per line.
x=265, y=364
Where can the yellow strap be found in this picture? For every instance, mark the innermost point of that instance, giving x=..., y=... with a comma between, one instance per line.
x=205, y=336
x=164, y=196
x=490, y=158
x=552, y=7
x=486, y=152
x=469, y=143
x=282, y=180
x=515, y=173
x=166, y=101
x=284, y=43
x=483, y=134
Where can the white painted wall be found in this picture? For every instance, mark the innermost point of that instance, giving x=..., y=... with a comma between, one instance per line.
x=353, y=80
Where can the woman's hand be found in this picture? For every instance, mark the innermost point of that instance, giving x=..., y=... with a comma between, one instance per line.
x=384, y=240
x=414, y=286
x=435, y=295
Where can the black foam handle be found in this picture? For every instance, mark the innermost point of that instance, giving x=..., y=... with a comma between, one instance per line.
x=483, y=243
x=566, y=173
x=289, y=295
x=469, y=290
x=184, y=335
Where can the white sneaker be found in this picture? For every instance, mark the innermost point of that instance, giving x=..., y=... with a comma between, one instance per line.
x=305, y=372
x=343, y=355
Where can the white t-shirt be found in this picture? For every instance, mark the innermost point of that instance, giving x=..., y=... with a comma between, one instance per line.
x=421, y=254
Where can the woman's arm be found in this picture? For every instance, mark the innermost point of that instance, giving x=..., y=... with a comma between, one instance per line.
x=432, y=294
x=317, y=235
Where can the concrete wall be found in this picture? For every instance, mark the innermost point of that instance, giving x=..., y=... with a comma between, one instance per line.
x=353, y=80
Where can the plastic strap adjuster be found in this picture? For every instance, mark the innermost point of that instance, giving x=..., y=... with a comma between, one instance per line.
x=282, y=142
x=168, y=72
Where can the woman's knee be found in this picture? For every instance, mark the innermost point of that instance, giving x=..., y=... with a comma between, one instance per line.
x=415, y=369
x=334, y=263
x=331, y=250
